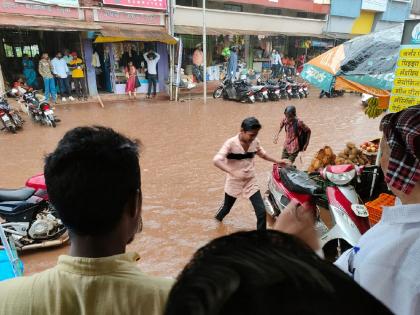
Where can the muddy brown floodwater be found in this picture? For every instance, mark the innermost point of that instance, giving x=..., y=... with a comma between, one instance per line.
x=182, y=189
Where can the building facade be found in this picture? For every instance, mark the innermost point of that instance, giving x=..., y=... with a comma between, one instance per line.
x=102, y=32
x=349, y=18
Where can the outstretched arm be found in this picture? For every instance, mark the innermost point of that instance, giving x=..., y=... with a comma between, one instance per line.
x=276, y=136
x=265, y=156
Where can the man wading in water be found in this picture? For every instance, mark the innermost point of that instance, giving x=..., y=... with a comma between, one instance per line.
x=236, y=158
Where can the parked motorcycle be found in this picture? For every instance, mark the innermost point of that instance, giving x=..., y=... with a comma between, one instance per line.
x=260, y=93
x=39, y=111
x=292, y=89
x=273, y=90
x=332, y=94
x=330, y=189
x=29, y=220
x=303, y=90
x=239, y=91
x=10, y=118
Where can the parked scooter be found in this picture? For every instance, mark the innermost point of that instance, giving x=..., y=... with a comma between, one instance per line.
x=330, y=189
x=332, y=94
x=292, y=89
x=239, y=91
x=303, y=90
x=39, y=111
x=29, y=219
x=273, y=90
x=10, y=118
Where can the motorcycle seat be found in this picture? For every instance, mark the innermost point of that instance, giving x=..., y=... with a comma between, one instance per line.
x=299, y=182
x=16, y=194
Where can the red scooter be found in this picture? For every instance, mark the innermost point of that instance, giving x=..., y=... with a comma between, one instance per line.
x=29, y=220
x=329, y=189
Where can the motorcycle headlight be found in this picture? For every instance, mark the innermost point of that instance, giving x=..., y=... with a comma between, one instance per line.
x=341, y=178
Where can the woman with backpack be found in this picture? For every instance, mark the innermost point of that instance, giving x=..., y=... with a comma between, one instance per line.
x=297, y=134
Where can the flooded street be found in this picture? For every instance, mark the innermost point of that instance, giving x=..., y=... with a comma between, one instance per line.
x=182, y=189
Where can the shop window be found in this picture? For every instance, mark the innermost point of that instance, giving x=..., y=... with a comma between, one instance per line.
x=27, y=51
x=302, y=14
x=9, y=51
x=273, y=11
x=233, y=7
x=34, y=50
x=18, y=51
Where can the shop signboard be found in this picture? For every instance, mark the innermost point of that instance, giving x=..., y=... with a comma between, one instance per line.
x=64, y=3
x=128, y=17
x=406, y=88
x=374, y=5
x=12, y=7
x=149, y=4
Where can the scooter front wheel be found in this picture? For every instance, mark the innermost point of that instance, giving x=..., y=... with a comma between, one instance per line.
x=218, y=92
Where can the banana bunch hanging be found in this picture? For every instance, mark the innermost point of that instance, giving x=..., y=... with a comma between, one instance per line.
x=373, y=110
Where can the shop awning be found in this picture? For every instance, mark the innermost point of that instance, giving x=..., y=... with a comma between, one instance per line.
x=45, y=23
x=112, y=33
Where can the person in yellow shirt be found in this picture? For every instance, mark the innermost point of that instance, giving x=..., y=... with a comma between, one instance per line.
x=77, y=73
x=94, y=183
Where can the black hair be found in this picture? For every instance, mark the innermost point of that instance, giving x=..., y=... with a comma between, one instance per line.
x=290, y=110
x=265, y=272
x=91, y=176
x=251, y=123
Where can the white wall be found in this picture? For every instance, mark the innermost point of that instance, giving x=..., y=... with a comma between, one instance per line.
x=247, y=23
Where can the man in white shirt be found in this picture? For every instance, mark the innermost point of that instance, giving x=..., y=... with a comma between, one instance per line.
x=275, y=64
x=386, y=260
x=152, y=58
x=60, y=71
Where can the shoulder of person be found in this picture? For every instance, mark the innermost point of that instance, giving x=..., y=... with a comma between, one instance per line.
x=16, y=295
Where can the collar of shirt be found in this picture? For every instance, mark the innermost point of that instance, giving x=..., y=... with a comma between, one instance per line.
x=400, y=214
x=95, y=266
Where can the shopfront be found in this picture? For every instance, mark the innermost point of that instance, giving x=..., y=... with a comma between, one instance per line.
x=253, y=53
x=101, y=35
x=22, y=35
x=126, y=36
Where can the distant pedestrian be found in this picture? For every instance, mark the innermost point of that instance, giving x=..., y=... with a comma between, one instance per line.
x=275, y=64
x=46, y=71
x=132, y=80
x=60, y=71
x=232, y=64
x=78, y=76
x=295, y=129
x=152, y=58
x=29, y=71
x=198, y=61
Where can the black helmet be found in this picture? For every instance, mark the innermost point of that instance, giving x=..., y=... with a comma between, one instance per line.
x=290, y=110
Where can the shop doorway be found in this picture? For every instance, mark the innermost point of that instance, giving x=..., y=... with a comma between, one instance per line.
x=17, y=43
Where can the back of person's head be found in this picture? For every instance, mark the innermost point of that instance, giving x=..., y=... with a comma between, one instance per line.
x=250, y=123
x=402, y=136
x=265, y=272
x=91, y=177
x=290, y=110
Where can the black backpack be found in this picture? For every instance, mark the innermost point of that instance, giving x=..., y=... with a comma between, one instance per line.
x=302, y=135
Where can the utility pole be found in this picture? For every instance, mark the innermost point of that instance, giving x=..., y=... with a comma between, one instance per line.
x=204, y=52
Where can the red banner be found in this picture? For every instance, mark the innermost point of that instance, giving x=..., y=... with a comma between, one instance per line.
x=149, y=4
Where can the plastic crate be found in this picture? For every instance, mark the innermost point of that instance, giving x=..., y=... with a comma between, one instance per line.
x=375, y=207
